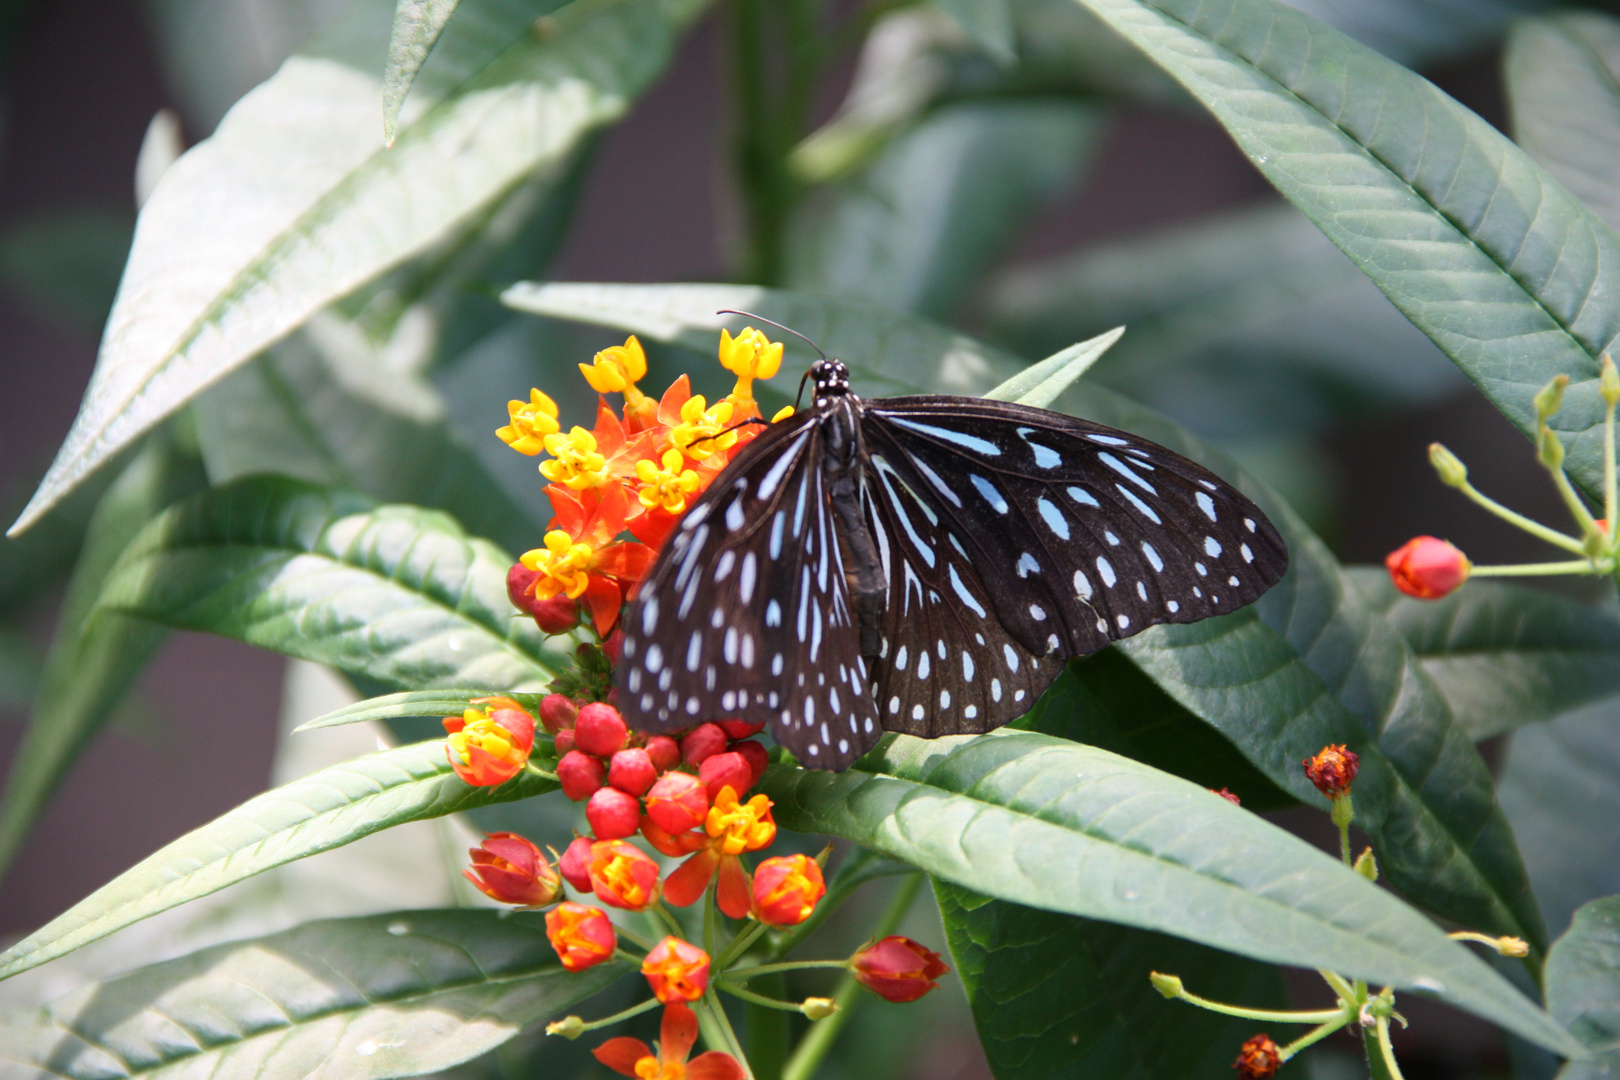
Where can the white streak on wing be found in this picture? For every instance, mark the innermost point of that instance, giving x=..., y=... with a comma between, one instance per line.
x=798, y=509
x=1108, y=440
x=955, y=438
x=767, y=486
x=1082, y=496
x=1053, y=517
x=1138, y=503
x=1127, y=472
x=997, y=502
x=962, y=591
x=1206, y=504
x=1106, y=569
x=934, y=478
x=923, y=550
x=745, y=580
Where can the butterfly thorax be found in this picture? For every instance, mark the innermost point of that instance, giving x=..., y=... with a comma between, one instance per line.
x=843, y=469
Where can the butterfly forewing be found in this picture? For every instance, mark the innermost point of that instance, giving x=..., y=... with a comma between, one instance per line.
x=747, y=613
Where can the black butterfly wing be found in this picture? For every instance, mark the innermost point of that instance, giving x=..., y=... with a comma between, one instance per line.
x=1065, y=534
x=746, y=612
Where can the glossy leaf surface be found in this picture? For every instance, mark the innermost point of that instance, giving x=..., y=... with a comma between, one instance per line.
x=1583, y=987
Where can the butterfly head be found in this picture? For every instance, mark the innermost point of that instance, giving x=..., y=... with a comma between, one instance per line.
x=831, y=379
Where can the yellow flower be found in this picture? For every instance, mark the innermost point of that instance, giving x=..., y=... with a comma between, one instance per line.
x=736, y=827
x=616, y=368
x=531, y=422
x=700, y=422
x=563, y=566
x=578, y=465
x=667, y=487
x=750, y=355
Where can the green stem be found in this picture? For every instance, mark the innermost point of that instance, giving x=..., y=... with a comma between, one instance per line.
x=1611, y=485
x=1577, y=508
x=808, y=1055
x=739, y=945
x=1269, y=1016
x=737, y=990
x=709, y=917
x=634, y=939
x=1316, y=1035
x=1534, y=528
x=1386, y=1049
x=541, y=773
x=753, y=150
x=851, y=875
x=609, y=1021
x=1574, y=566
x=728, y=1035
x=1340, y=986
x=790, y=965
x=667, y=922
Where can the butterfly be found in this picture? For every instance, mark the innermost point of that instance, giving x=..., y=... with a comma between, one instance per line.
x=925, y=565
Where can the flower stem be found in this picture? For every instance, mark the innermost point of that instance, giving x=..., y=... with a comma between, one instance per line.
x=1386, y=1049
x=1316, y=1035
x=634, y=938
x=1339, y=986
x=722, y=1030
x=790, y=965
x=737, y=990
x=1534, y=528
x=1269, y=1016
x=855, y=871
x=739, y=945
x=609, y=1021
x=1574, y=566
x=808, y=1055
x=541, y=773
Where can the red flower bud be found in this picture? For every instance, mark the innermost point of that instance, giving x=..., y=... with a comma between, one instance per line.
x=1332, y=770
x=675, y=845
x=1259, y=1059
x=676, y=970
x=740, y=729
x=756, y=756
x=613, y=647
x=702, y=743
x=508, y=868
x=787, y=889
x=557, y=711
x=555, y=616
x=613, y=814
x=632, y=771
x=489, y=745
x=897, y=969
x=1427, y=568
x=1228, y=796
x=582, y=936
x=664, y=751
x=678, y=802
x=621, y=876
x=564, y=742
x=726, y=770
x=575, y=864
x=600, y=730
x=580, y=775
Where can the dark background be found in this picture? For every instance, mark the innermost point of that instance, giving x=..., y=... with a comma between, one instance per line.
x=81, y=82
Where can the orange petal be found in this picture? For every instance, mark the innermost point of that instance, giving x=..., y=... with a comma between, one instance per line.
x=570, y=512
x=621, y=1054
x=609, y=432
x=669, y=406
x=714, y=1065
x=685, y=886
x=652, y=527
x=734, y=894
x=603, y=597
x=678, y=1031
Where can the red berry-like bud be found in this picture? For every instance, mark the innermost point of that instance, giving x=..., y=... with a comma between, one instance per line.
x=676, y=971
x=702, y=743
x=557, y=711
x=897, y=969
x=1427, y=568
x=555, y=616
x=678, y=803
x=756, y=756
x=564, y=742
x=787, y=889
x=508, y=868
x=622, y=876
x=580, y=775
x=740, y=729
x=1333, y=769
x=613, y=814
x=583, y=936
x=1228, y=796
x=575, y=864
x=600, y=730
x=664, y=751
x=632, y=771
x=726, y=770
x=1259, y=1059
x=613, y=647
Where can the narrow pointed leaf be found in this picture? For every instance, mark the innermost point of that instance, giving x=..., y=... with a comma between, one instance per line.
x=1479, y=246
x=417, y=26
x=409, y=703
x=1069, y=828
x=294, y=203
x=395, y=593
x=324, y=810
x=339, y=999
x=1504, y=655
x=1583, y=987
x=1040, y=384
x=988, y=22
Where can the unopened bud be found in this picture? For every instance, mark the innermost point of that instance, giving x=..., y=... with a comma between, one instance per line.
x=1453, y=473
x=818, y=1008
x=1608, y=382
x=1551, y=397
x=569, y=1027
x=1550, y=448
x=1366, y=865
x=1512, y=946
x=1168, y=985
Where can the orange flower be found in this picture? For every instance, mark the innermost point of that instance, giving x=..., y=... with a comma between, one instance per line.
x=897, y=969
x=491, y=745
x=787, y=889
x=1333, y=770
x=733, y=828
x=1427, y=568
x=508, y=868
x=1259, y=1059
x=676, y=971
x=621, y=876
x=582, y=557
x=582, y=936
x=632, y=1057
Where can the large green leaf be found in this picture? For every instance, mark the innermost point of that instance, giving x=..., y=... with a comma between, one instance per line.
x=1504, y=655
x=341, y=999
x=324, y=810
x=395, y=593
x=1562, y=77
x=1583, y=987
x=93, y=660
x=1073, y=829
x=294, y=202
x=1312, y=664
x=1481, y=248
x=1057, y=996
x=417, y=26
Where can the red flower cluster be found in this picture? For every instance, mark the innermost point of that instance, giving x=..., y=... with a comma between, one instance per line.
x=1259, y=1059
x=490, y=745
x=677, y=1035
x=1333, y=769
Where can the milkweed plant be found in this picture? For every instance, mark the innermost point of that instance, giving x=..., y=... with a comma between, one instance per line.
x=293, y=438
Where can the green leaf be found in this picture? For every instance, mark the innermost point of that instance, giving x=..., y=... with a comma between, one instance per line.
x=1072, y=829
x=417, y=26
x=988, y=22
x=389, y=706
x=1562, y=77
x=259, y=258
x=93, y=661
x=1486, y=253
x=340, y=999
x=916, y=228
x=1057, y=996
x=1040, y=384
x=1583, y=987
x=1504, y=655
x=67, y=263
x=321, y=811
x=395, y=593
x=1560, y=787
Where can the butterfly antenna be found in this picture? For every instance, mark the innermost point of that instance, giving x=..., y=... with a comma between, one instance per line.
x=773, y=322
